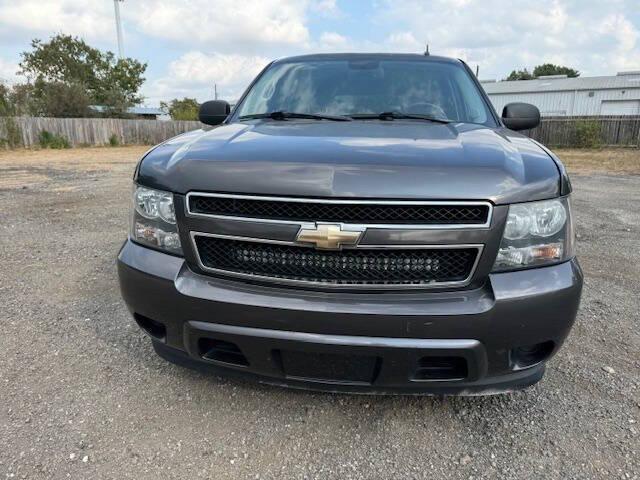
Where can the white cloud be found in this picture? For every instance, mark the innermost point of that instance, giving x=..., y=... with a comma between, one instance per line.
x=195, y=73
x=596, y=37
x=333, y=41
x=226, y=25
x=404, y=42
x=626, y=41
x=47, y=17
x=400, y=42
x=190, y=44
x=327, y=8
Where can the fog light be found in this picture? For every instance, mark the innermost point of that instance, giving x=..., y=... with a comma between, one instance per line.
x=530, y=355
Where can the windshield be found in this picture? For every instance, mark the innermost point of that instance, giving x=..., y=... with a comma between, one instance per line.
x=368, y=86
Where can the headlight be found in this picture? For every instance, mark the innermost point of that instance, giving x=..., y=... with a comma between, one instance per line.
x=536, y=234
x=154, y=220
x=154, y=204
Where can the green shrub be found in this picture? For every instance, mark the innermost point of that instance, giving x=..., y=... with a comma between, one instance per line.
x=113, y=140
x=587, y=134
x=13, y=135
x=51, y=140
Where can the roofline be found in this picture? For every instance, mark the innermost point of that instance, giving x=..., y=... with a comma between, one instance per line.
x=372, y=55
x=536, y=85
x=132, y=109
x=556, y=90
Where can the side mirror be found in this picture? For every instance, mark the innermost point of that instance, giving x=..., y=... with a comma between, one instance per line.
x=214, y=112
x=520, y=116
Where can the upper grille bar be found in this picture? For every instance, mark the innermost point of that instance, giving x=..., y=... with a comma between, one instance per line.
x=366, y=213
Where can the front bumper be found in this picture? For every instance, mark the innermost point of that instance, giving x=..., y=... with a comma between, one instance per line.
x=462, y=342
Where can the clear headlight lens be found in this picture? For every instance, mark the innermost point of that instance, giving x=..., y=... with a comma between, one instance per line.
x=536, y=234
x=154, y=204
x=154, y=220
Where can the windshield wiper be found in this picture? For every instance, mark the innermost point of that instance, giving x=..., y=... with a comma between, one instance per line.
x=282, y=115
x=398, y=115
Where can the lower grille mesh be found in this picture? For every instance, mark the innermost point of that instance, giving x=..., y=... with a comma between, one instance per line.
x=349, y=267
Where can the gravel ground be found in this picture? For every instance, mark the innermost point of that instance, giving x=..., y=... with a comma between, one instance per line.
x=82, y=395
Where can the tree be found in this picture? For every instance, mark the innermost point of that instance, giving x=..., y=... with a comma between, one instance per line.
x=15, y=99
x=185, y=109
x=541, y=71
x=10, y=134
x=59, y=99
x=5, y=101
x=551, y=69
x=520, y=75
x=70, y=62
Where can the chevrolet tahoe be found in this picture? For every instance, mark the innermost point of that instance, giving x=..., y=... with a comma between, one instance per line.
x=356, y=223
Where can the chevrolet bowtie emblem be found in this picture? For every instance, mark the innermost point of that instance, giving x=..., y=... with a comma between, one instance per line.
x=328, y=236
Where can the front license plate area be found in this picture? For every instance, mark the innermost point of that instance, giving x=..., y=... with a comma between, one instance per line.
x=329, y=367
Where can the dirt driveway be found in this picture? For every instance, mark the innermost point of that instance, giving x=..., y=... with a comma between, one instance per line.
x=82, y=394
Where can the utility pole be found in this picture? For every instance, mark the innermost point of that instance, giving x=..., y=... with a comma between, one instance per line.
x=116, y=6
x=215, y=91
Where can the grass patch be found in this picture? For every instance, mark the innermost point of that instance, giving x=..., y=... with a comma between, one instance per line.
x=606, y=160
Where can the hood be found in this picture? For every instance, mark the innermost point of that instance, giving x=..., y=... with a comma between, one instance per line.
x=359, y=159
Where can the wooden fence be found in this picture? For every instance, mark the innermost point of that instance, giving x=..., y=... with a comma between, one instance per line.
x=621, y=131
x=97, y=131
x=553, y=131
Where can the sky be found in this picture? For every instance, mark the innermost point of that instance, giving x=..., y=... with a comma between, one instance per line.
x=191, y=44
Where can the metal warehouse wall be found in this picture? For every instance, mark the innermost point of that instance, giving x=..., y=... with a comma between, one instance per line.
x=570, y=103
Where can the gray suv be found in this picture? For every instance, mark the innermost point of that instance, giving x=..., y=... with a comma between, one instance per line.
x=358, y=222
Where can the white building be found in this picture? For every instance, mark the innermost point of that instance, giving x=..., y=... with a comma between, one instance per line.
x=149, y=113
x=557, y=95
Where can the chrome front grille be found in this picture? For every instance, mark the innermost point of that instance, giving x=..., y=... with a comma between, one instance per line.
x=366, y=266
x=357, y=212
x=281, y=240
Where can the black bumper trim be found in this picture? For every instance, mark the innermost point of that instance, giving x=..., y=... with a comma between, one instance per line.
x=399, y=357
x=510, y=310
x=495, y=386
